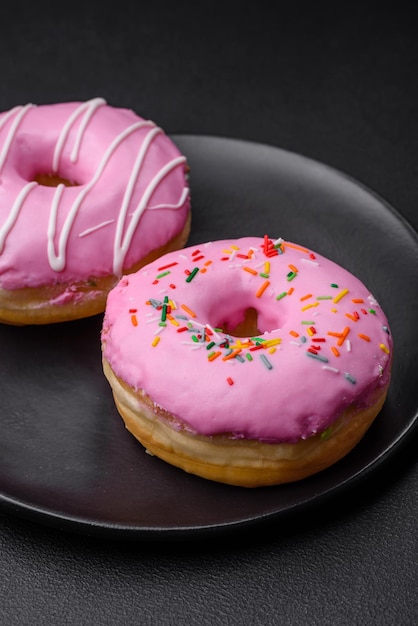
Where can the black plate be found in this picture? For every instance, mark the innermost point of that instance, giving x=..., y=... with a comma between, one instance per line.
x=65, y=456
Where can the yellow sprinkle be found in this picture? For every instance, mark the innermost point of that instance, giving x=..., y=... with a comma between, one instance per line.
x=384, y=348
x=342, y=293
x=309, y=331
x=235, y=247
x=155, y=341
x=272, y=350
x=227, y=251
x=333, y=310
x=267, y=267
x=272, y=342
x=172, y=304
x=309, y=306
x=173, y=321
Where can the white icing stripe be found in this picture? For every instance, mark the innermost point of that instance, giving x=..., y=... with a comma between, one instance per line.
x=93, y=229
x=122, y=244
x=12, y=217
x=20, y=113
x=89, y=108
x=57, y=262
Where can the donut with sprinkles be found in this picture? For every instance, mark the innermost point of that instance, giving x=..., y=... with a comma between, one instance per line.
x=251, y=362
x=88, y=192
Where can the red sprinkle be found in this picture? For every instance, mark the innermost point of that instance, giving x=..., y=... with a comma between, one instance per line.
x=230, y=381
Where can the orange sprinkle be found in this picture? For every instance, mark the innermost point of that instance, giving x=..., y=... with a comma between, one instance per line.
x=189, y=311
x=365, y=337
x=203, y=270
x=249, y=270
x=207, y=263
x=295, y=247
x=291, y=290
x=308, y=295
x=232, y=355
x=332, y=334
x=134, y=320
x=155, y=341
x=214, y=356
x=343, y=336
x=351, y=317
x=357, y=300
x=293, y=268
x=262, y=289
x=335, y=351
x=293, y=333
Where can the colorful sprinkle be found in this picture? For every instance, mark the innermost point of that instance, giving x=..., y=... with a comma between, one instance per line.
x=262, y=289
x=188, y=311
x=340, y=296
x=266, y=361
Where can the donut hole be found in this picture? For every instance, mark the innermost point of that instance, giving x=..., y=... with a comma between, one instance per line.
x=53, y=180
x=247, y=326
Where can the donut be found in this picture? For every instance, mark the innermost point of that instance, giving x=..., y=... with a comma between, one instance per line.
x=251, y=362
x=88, y=192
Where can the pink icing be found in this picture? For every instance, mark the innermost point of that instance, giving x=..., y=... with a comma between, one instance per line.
x=324, y=342
x=131, y=194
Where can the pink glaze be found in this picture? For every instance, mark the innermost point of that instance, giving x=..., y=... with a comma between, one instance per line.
x=131, y=194
x=324, y=341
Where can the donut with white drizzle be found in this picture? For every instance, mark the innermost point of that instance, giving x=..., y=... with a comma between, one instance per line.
x=250, y=362
x=88, y=192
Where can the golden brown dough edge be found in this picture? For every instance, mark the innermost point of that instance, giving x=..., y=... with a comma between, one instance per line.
x=31, y=305
x=245, y=463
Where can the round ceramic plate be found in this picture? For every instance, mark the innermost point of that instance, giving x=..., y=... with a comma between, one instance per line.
x=65, y=456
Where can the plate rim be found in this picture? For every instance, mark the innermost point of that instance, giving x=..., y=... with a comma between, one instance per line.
x=115, y=530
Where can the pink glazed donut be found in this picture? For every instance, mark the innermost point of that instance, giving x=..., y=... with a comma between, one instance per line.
x=88, y=192
x=250, y=362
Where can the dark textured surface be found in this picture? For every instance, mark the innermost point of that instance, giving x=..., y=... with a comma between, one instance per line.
x=340, y=88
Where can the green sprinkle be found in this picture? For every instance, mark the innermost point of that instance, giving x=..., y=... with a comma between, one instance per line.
x=263, y=275
x=372, y=311
x=281, y=295
x=162, y=275
x=324, y=298
x=249, y=357
x=195, y=339
x=334, y=285
x=210, y=345
x=326, y=433
x=192, y=275
x=290, y=276
x=162, y=324
x=309, y=322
